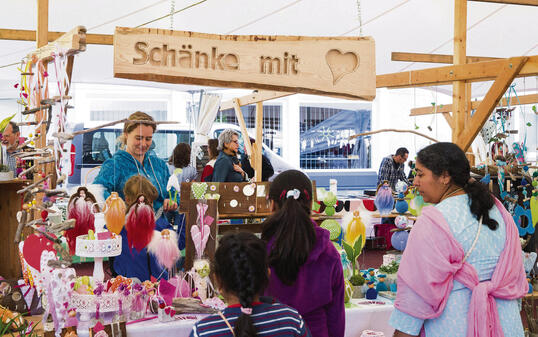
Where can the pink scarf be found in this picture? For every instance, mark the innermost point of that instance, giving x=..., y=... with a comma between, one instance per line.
x=433, y=259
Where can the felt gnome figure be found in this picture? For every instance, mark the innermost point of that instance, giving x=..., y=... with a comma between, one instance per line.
x=371, y=293
x=381, y=285
x=81, y=207
x=140, y=223
x=164, y=247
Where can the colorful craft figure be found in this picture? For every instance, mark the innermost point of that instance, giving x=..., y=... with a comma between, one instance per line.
x=401, y=204
x=115, y=213
x=371, y=275
x=355, y=228
x=81, y=208
x=415, y=201
x=519, y=151
x=520, y=212
x=399, y=240
x=164, y=247
x=533, y=205
x=500, y=174
x=140, y=224
x=384, y=201
x=381, y=285
x=371, y=293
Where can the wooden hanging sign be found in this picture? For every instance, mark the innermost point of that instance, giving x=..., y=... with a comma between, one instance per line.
x=333, y=66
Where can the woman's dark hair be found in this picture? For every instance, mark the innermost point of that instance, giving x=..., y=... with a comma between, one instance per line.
x=290, y=229
x=448, y=157
x=240, y=266
x=181, y=156
x=212, y=145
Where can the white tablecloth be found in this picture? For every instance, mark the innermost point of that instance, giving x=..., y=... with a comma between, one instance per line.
x=359, y=318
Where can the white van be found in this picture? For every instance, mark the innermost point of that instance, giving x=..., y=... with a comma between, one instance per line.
x=93, y=148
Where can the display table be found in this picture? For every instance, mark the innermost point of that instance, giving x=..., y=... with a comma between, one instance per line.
x=10, y=204
x=359, y=318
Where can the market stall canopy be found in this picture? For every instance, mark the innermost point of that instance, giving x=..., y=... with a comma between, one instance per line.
x=417, y=26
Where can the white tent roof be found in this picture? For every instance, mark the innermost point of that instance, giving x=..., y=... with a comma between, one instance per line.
x=422, y=26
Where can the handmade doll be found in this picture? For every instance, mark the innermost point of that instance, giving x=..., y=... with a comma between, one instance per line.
x=164, y=247
x=140, y=223
x=81, y=207
x=384, y=201
x=381, y=285
x=371, y=293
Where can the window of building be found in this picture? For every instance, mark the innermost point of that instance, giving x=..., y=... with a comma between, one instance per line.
x=324, y=138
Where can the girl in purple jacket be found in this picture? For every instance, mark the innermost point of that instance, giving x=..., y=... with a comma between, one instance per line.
x=306, y=272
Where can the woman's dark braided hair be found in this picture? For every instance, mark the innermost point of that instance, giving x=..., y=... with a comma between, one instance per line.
x=290, y=227
x=448, y=157
x=240, y=266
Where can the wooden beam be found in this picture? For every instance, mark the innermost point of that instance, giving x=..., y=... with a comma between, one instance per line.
x=502, y=82
x=71, y=42
x=259, y=142
x=474, y=72
x=435, y=58
x=255, y=97
x=449, y=119
x=512, y=2
x=459, y=97
x=30, y=35
x=243, y=126
x=428, y=110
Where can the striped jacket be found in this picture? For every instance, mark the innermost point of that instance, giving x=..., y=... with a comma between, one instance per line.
x=270, y=319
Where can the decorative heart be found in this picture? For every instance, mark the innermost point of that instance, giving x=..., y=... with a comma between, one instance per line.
x=341, y=64
x=199, y=240
x=198, y=190
x=34, y=245
x=172, y=312
x=167, y=310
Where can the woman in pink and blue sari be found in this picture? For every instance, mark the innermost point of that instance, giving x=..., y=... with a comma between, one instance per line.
x=462, y=272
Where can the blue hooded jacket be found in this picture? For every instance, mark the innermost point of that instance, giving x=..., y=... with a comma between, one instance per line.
x=117, y=170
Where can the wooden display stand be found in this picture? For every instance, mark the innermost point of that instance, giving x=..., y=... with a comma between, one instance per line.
x=10, y=203
x=250, y=200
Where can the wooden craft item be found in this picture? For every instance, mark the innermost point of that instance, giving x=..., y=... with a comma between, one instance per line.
x=334, y=66
x=11, y=296
x=191, y=306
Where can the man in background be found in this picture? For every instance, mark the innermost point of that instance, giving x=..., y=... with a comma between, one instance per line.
x=10, y=139
x=392, y=168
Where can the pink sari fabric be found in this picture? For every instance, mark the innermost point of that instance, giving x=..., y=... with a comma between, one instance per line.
x=433, y=259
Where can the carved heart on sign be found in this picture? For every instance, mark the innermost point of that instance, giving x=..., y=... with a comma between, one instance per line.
x=341, y=64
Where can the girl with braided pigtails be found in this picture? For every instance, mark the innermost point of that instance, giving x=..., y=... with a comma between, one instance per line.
x=306, y=272
x=240, y=272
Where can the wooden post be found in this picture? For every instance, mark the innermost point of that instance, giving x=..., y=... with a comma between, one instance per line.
x=259, y=142
x=241, y=120
x=460, y=57
x=41, y=40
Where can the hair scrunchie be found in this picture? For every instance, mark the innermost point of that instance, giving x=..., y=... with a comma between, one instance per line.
x=246, y=311
x=295, y=193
